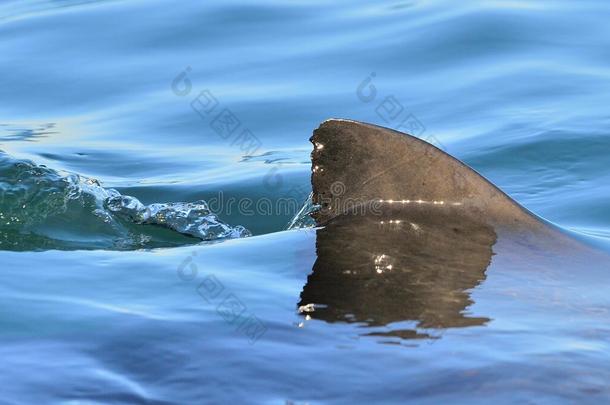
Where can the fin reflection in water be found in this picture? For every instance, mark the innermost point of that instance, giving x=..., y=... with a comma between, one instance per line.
x=403, y=265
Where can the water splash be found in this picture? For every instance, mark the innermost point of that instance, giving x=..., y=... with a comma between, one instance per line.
x=303, y=218
x=41, y=208
x=193, y=219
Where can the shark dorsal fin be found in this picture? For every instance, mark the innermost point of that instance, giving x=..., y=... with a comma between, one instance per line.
x=355, y=163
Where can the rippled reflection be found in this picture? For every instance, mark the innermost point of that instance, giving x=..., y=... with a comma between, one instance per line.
x=10, y=133
x=414, y=266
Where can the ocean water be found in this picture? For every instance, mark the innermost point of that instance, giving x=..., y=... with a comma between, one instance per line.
x=153, y=153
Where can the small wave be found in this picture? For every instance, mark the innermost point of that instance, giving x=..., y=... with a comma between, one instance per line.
x=293, y=157
x=41, y=208
x=9, y=133
x=193, y=219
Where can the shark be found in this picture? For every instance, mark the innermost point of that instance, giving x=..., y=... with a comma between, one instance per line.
x=405, y=232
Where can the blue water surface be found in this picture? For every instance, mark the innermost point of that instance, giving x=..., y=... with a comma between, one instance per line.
x=185, y=101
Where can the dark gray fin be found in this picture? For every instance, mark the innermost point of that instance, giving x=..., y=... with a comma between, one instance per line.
x=355, y=164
